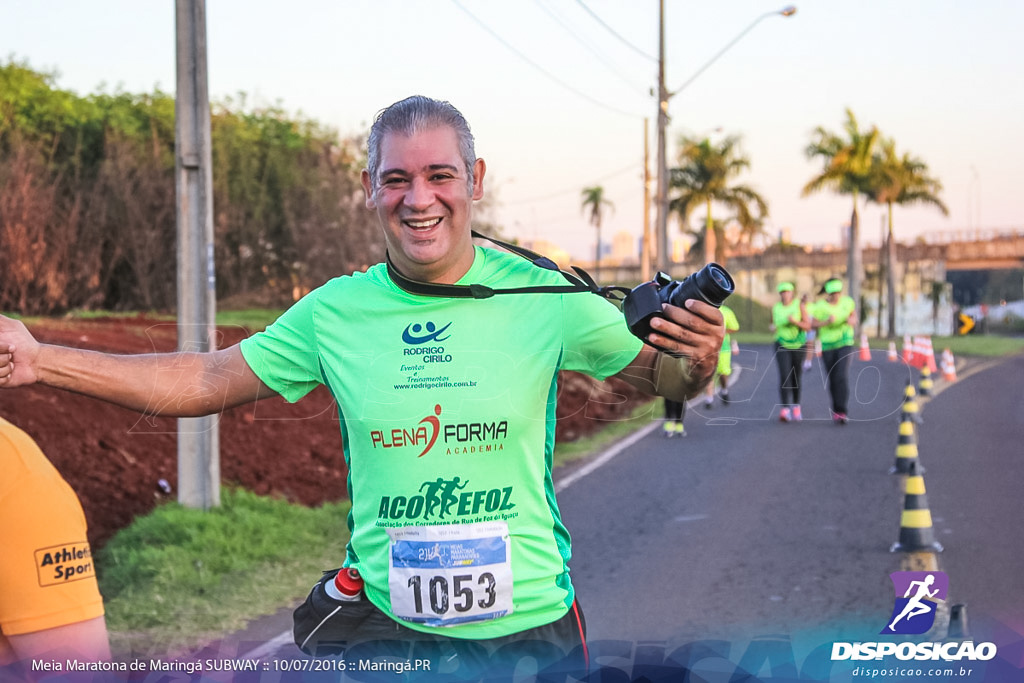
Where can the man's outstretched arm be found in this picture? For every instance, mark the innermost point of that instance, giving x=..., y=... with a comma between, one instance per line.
x=170, y=384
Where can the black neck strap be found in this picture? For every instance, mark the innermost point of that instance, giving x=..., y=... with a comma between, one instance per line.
x=578, y=282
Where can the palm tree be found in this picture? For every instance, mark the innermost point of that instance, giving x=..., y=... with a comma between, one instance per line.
x=900, y=180
x=846, y=170
x=594, y=199
x=751, y=231
x=702, y=178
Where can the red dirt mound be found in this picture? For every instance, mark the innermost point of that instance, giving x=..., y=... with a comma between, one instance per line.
x=115, y=458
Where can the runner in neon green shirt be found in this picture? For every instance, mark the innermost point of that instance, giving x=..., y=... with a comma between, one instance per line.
x=835, y=318
x=451, y=426
x=790, y=322
x=724, y=368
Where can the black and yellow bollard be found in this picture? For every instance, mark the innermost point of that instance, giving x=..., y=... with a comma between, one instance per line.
x=910, y=409
x=958, y=628
x=906, y=449
x=916, y=533
x=925, y=384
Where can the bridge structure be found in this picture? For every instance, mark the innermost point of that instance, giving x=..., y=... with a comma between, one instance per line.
x=925, y=270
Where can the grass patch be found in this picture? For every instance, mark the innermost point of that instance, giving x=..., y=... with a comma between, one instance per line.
x=81, y=314
x=253, y=319
x=967, y=345
x=756, y=338
x=612, y=432
x=179, y=577
x=979, y=345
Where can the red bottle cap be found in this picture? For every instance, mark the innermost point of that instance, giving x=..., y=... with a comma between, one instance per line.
x=348, y=582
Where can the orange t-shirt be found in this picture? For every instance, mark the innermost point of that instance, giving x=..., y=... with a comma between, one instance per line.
x=47, y=574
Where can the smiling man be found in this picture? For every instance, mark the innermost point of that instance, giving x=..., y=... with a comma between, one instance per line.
x=423, y=189
x=447, y=408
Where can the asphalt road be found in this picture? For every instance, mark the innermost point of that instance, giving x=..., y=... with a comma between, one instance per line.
x=749, y=529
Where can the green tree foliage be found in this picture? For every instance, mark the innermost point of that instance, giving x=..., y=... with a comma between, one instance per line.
x=846, y=169
x=705, y=177
x=900, y=180
x=87, y=200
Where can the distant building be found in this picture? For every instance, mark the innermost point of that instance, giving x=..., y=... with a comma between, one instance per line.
x=549, y=249
x=624, y=248
x=680, y=248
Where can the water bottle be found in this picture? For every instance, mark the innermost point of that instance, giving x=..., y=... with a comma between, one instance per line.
x=321, y=625
x=346, y=586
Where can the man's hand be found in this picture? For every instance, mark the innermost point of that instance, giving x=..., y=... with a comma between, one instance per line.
x=695, y=331
x=18, y=352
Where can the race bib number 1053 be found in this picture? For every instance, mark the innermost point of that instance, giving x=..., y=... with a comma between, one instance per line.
x=453, y=574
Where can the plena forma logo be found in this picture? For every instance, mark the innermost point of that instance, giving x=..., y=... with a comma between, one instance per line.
x=425, y=432
x=414, y=333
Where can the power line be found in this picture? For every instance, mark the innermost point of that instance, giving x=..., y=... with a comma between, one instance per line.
x=614, y=33
x=542, y=69
x=566, y=191
x=590, y=49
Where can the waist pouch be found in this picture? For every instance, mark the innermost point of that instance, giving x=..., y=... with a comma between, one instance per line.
x=324, y=626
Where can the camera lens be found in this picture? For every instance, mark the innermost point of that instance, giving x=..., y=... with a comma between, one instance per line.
x=720, y=277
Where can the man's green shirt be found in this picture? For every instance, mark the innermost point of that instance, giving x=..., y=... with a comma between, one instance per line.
x=447, y=414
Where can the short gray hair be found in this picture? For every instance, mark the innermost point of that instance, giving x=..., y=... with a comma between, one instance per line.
x=412, y=115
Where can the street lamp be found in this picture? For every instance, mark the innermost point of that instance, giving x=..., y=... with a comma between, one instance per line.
x=664, y=94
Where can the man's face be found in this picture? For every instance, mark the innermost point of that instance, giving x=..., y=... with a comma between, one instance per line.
x=424, y=203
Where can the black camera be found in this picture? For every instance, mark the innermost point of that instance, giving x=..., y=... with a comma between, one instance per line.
x=711, y=284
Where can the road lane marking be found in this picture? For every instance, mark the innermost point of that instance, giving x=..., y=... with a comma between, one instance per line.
x=690, y=518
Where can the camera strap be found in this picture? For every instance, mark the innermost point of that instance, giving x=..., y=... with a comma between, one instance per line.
x=579, y=281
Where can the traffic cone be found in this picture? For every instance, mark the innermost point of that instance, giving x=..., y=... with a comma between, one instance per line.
x=924, y=385
x=865, y=352
x=948, y=366
x=906, y=449
x=908, y=350
x=910, y=409
x=916, y=533
x=893, y=356
x=929, y=360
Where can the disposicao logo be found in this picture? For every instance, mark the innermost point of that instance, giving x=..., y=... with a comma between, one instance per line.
x=917, y=594
x=414, y=333
x=916, y=597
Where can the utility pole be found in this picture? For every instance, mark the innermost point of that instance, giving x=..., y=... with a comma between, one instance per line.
x=661, y=198
x=661, y=229
x=198, y=438
x=645, y=248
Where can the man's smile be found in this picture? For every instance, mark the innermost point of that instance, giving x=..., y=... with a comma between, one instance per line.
x=424, y=224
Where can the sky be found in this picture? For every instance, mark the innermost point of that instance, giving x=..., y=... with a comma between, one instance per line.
x=557, y=91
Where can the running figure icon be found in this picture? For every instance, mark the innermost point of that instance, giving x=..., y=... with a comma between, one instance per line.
x=916, y=605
